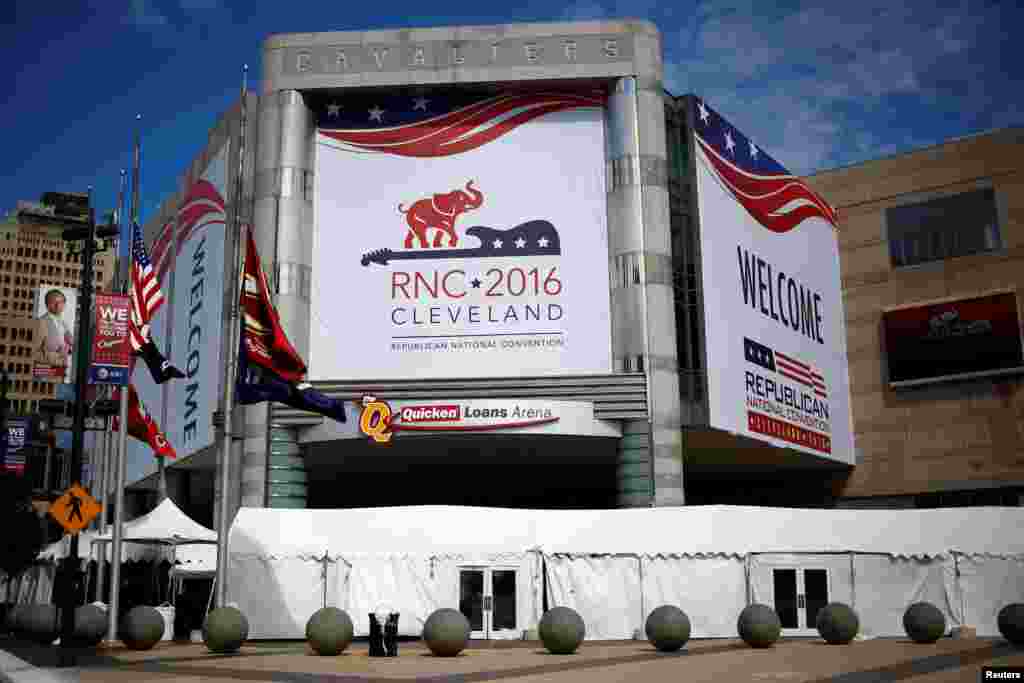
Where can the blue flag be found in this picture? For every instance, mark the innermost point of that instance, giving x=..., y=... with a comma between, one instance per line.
x=257, y=384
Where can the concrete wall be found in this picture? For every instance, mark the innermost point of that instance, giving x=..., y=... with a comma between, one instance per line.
x=948, y=436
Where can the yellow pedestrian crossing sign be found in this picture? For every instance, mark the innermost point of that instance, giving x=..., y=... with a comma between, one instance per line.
x=75, y=509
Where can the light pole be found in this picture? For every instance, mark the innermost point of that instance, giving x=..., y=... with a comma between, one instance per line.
x=71, y=573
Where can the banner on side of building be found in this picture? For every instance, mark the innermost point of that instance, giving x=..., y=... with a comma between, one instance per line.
x=197, y=304
x=774, y=321
x=451, y=240
x=54, y=341
x=978, y=336
x=111, y=350
x=12, y=444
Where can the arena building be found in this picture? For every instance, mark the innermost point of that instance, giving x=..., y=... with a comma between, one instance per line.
x=513, y=239
x=567, y=288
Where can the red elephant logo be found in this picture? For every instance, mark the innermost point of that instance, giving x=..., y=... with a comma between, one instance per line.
x=439, y=213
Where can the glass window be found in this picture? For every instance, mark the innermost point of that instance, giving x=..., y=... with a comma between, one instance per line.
x=943, y=228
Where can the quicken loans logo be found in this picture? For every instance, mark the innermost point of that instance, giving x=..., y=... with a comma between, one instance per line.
x=194, y=347
x=379, y=421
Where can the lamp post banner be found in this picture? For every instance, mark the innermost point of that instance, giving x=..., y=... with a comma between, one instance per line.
x=111, y=351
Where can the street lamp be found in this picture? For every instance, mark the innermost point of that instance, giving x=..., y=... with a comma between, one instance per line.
x=88, y=235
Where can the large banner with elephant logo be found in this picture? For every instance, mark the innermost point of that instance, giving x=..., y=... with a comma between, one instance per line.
x=460, y=236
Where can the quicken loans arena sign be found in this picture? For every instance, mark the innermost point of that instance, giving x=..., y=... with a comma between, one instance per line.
x=382, y=420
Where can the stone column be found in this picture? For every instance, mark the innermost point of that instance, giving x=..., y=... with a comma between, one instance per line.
x=643, y=317
x=633, y=471
x=286, y=471
x=283, y=229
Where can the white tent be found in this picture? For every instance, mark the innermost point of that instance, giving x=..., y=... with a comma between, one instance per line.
x=615, y=566
x=165, y=524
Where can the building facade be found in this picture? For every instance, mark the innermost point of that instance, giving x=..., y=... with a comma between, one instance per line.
x=639, y=407
x=32, y=254
x=935, y=233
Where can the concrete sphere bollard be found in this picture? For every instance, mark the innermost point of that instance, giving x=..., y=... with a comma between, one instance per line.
x=562, y=630
x=667, y=628
x=142, y=628
x=329, y=631
x=924, y=622
x=759, y=625
x=1011, y=623
x=90, y=625
x=837, y=623
x=446, y=632
x=40, y=623
x=225, y=629
x=14, y=618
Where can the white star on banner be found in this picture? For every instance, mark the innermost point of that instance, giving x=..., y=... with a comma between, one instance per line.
x=376, y=113
x=497, y=244
x=729, y=144
x=753, y=150
x=420, y=103
x=520, y=243
x=333, y=108
x=542, y=242
x=704, y=113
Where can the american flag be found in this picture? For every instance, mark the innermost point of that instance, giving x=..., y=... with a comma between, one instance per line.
x=773, y=196
x=203, y=206
x=787, y=366
x=145, y=293
x=437, y=126
x=801, y=372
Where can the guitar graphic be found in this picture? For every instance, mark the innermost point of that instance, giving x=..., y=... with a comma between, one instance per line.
x=532, y=238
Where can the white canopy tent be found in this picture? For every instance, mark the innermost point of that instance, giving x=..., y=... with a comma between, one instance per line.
x=615, y=566
x=165, y=533
x=165, y=524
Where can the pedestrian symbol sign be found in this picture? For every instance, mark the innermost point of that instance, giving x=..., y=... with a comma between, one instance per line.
x=75, y=509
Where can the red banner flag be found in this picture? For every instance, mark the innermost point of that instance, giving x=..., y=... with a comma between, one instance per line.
x=142, y=426
x=265, y=342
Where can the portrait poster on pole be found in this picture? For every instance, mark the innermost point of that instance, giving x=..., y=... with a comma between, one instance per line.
x=54, y=341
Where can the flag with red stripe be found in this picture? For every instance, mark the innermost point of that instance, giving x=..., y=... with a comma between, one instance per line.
x=144, y=292
x=801, y=372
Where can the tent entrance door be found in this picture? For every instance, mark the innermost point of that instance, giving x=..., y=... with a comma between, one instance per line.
x=798, y=595
x=487, y=597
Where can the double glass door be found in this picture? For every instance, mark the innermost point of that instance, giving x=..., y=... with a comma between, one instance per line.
x=799, y=595
x=487, y=597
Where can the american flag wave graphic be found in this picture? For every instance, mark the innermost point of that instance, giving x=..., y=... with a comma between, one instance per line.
x=203, y=207
x=773, y=196
x=801, y=372
x=422, y=132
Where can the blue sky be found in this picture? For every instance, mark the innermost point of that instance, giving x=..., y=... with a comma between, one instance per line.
x=817, y=88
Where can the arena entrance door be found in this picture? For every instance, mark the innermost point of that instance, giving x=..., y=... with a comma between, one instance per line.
x=487, y=597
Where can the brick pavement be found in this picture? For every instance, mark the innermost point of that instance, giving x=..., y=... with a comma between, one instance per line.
x=804, y=661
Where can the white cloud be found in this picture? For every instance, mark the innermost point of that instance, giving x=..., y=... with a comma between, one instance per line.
x=811, y=82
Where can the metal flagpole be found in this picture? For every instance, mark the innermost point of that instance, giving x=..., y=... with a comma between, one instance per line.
x=109, y=455
x=109, y=463
x=229, y=385
x=122, y=434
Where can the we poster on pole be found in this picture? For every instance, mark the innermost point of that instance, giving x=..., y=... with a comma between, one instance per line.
x=111, y=350
x=12, y=457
